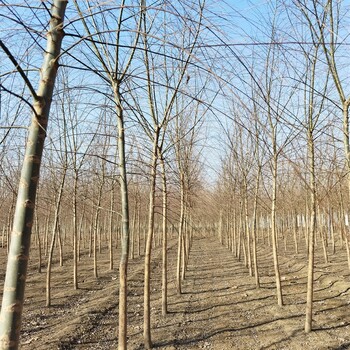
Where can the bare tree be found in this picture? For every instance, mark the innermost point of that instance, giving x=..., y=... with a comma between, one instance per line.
x=114, y=66
x=161, y=82
x=13, y=297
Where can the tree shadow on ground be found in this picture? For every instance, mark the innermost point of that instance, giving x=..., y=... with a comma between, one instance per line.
x=231, y=330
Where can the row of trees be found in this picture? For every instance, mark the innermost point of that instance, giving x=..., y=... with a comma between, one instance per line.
x=145, y=97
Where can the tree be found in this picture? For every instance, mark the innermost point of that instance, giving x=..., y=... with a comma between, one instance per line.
x=314, y=105
x=156, y=129
x=13, y=297
x=114, y=65
x=323, y=19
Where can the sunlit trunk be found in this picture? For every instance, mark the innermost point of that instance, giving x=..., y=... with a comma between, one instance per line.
x=147, y=280
x=16, y=272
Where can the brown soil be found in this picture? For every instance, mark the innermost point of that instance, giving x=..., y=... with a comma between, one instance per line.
x=220, y=307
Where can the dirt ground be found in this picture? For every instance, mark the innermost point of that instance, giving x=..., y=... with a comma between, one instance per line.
x=220, y=307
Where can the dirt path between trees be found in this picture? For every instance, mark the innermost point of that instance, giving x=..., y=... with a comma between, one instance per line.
x=220, y=307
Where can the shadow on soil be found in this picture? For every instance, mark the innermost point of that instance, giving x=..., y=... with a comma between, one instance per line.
x=219, y=331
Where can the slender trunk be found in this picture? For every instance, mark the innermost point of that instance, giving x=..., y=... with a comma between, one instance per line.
x=295, y=232
x=255, y=258
x=147, y=280
x=323, y=237
x=132, y=233
x=239, y=233
x=220, y=228
x=247, y=230
x=111, y=230
x=55, y=228
x=307, y=227
x=347, y=154
x=37, y=229
x=311, y=241
x=165, y=240
x=244, y=247
x=347, y=250
x=46, y=233
x=180, y=237
x=3, y=237
x=228, y=228
x=274, y=234
x=184, y=249
x=60, y=245
x=234, y=240
x=75, y=232
x=80, y=230
x=96, y=227
x=91, y=229
x=139, y=227
x=347, y=143
x=331, y=229
x=344, y=229
x=10, y=319
x=123, y=267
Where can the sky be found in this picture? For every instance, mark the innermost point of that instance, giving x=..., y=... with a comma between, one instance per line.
x=241, y=23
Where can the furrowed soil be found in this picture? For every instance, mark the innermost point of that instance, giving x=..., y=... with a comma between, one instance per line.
x=220, y=307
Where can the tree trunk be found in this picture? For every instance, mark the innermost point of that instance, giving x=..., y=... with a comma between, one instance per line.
x=295, y=232
x=46, y=233
x=132, y=233
x=255, y=258
x=220, y=228
x=37, y=229
x=139, y=227
x=331, y=229
x=96, y=226
x=165, y=241
x=13, y=296
x=75, y=232
x=274, y=234
x=311, y=241
x=125, y=234
x=184, y=245
x=55, y=229
x=111, y=229
x=247, y=230
x=147, y=283
x=60, y=245
x=180, y=234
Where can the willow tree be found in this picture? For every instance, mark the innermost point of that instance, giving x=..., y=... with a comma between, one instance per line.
x=16, y=272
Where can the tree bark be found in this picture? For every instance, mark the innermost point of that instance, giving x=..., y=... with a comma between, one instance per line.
x=165, y=241
x=55, y=230
x=180, y=234
x=14, y=287
x=254, y=228
x=125, y=234
x=147, y=280
x=274, y=234
x=311, y=238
